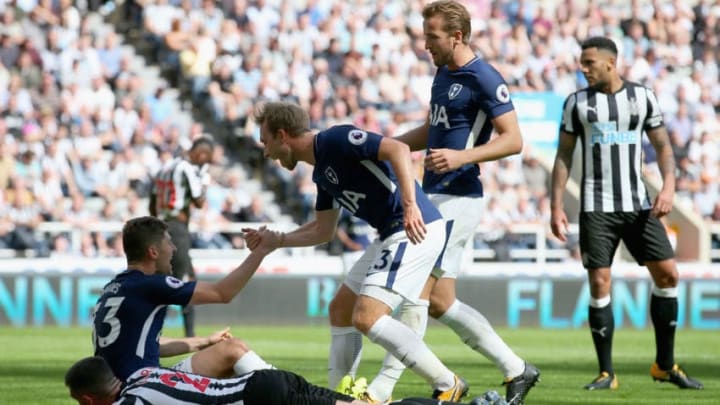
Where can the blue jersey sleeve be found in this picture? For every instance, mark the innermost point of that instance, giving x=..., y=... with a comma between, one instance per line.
x=347, y=143
x=492, y=92
x=168, y=290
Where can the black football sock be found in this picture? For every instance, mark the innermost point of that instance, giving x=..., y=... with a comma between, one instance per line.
x=602, y=326
x=663, y=312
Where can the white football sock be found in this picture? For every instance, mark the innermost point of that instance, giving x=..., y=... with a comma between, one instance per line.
x=475, y=331
x=409, y=348
x=600, y=302
x=345, y=353
x=669, y=292
x=415, y=316
x=250, y=361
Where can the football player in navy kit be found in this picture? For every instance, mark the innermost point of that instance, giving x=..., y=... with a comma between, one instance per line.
x=129, y=315
x=370, y=176
x=469, y=99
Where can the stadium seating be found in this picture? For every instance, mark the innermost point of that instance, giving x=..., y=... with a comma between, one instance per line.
x=169, y=70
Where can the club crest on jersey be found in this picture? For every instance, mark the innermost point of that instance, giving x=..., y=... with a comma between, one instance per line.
x=173, y=282
x=455, y=90
x=357, y=136
x=330, y=174
x=502, y=93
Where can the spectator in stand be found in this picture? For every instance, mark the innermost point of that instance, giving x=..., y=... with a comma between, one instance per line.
x=312, y=36
x=255, y=211
x=23, y=212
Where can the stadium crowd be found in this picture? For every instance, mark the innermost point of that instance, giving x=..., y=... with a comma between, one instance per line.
x=79, y=125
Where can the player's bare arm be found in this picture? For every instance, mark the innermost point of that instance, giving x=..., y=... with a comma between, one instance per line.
x=666, y=162
x=508, y=142
x=560, y=176
x=175, y=346
x=320, y=230
x=417, y=137
x=226, y=289
x=398, y=154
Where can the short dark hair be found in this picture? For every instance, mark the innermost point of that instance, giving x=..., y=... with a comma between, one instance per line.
x=91, y=375
x=203, y=141
x=139, y=233
x=604, y=43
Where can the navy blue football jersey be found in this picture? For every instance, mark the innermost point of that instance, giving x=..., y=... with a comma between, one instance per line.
x=129, y=316
x=462, y=103
x=347, y=172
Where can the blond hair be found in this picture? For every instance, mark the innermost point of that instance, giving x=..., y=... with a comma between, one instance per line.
x=279, y=115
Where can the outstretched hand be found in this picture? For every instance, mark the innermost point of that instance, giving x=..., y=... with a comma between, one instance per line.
x=262, y=239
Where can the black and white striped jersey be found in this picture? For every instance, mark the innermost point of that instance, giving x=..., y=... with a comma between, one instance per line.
x=611, y=128
x=164, y=386
x=175, y=185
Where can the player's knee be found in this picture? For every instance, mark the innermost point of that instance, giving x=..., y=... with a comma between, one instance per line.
x=600, y=283
x=362, y=321
x=664, y=273
x=667, y=279
x=441, y=300
x=339, y=313
x=233, y=349
x=437, y=308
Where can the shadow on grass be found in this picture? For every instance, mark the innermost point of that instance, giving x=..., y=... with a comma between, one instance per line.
x=629, y=367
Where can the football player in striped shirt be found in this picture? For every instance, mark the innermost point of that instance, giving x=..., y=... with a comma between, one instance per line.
x=609, y=118
x=91, y=382
x=180, y=184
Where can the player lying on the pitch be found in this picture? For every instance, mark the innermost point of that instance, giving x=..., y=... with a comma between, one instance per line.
x=91, y=382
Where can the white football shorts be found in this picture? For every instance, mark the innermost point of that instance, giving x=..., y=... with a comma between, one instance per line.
x=394, y=269
x=463, y=215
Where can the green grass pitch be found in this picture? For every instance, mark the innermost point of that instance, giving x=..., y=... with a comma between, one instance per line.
x=33, y=362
